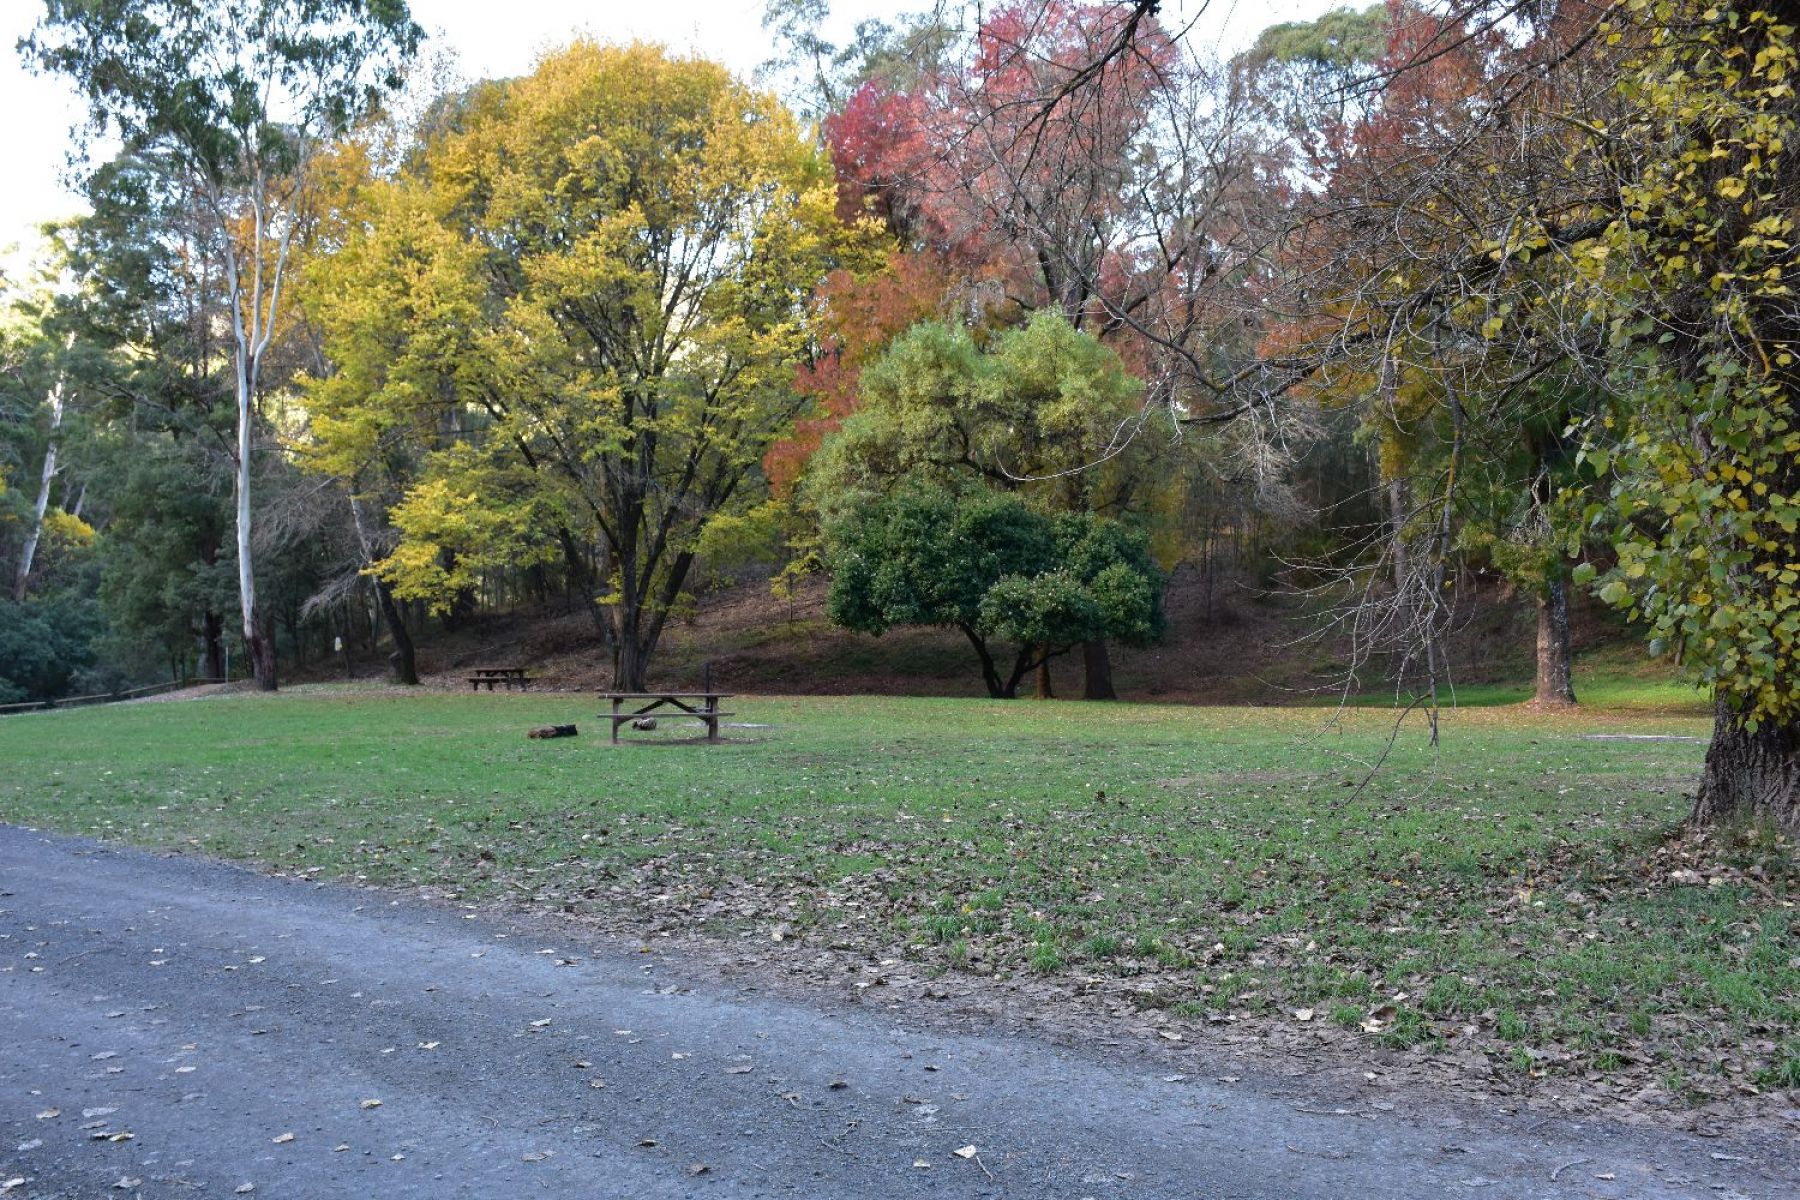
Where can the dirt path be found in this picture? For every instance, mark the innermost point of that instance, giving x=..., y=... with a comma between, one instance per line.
x=209, y=1013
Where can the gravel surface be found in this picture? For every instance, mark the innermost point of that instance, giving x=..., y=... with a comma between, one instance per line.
x=179, y=1028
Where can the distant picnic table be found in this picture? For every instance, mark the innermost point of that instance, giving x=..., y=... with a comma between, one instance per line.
x=702, y=706
x=490, y=677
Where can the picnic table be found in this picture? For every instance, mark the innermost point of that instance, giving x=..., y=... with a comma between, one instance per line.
x=702, y=706
x=489, y=677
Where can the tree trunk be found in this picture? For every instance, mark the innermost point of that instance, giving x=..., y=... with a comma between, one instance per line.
x=1750, y=776
x=1397, y=506
x=1555, y=682
x=262, y=656
x=257, y=642
x=629, y=666
x=990, y=675
x=1098, y=664
x=36, y=531
x=212, y=634
x=405, y=659
x=1045, y=689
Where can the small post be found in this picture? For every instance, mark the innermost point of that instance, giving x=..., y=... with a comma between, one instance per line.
x=706, y=676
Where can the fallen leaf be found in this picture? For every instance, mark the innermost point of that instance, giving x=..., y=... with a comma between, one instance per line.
x=33, y=1144
x=126, y=1183
x=340, y=1147
x=1169, y=1034
x=646, y=1141
x=371, y=1104
x=698, y=1168
x=966, y=1152
x=536, y=1155
x=921, y=1164
x=1303, y=1014
x=282, y=1139
x=740, y=1068
x=10, y=1184
x=541, y=1024
x=100, y=1112
x=244, y=1189
x=49, y=1113
x=428, y=1045
x=837, y=1085
x=1605, y=1175
x=183, y=1070
x=121, y=1136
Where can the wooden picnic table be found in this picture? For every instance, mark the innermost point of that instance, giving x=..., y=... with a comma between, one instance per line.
x=702, y=706
x=490, y=676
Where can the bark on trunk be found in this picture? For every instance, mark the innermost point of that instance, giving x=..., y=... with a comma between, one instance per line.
x=1555, y=681
x=1045, y=689
x=990, y=675
x=262, y=656
x=212, y=633
x=1750, y=776
x=1098, y=664
x=32, y=535
x=1397, y=506
x=404, y=658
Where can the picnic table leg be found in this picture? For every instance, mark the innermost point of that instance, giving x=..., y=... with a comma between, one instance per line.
x=615, y=721
x=712, y=717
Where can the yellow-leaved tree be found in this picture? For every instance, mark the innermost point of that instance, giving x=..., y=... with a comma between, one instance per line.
x=581, y=303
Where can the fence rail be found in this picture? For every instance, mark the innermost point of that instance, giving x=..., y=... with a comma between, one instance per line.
x=138, y=693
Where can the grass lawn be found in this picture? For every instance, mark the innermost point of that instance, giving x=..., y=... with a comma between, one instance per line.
x=1520, y=890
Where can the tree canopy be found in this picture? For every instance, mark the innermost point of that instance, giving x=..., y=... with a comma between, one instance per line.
x=587, y=297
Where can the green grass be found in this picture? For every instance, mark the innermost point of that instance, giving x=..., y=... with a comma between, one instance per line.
x=1512, y=890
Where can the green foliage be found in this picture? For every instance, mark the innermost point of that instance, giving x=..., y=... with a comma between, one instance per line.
x=43, y=643
x=1042, y=409
x=580, y=306
x=922, y=557
x=995, y=568
x=1694, y=280
x=199, y=76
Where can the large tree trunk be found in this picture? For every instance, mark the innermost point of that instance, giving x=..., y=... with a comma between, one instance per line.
x=405, y=659
x=1099, y=683
x=256, y=638
x=1555, y=682
x=1045, y=689
x=1750, y=775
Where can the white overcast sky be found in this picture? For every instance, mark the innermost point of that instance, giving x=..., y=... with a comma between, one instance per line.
x=497, y=38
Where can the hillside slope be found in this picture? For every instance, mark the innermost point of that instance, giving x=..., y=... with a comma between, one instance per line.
x=1238, y=646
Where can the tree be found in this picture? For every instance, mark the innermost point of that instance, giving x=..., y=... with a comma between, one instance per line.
x=994, y=568
x=1043, y=410
x=614, y=257
x=1617, y=201
x=233, y=97
x=1693, y=276
x=1122, y=190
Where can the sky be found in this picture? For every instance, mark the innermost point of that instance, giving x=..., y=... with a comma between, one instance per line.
x=495, y=38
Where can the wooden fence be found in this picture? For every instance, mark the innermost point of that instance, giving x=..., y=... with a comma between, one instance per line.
x=154, y=689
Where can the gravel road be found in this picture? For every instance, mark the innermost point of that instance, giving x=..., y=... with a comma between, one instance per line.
x=181, y=1028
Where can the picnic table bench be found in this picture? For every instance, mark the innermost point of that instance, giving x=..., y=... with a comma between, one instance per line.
x=702, y=706
x=512, y=677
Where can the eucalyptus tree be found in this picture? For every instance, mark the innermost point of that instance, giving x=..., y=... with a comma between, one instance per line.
x=233, y=99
